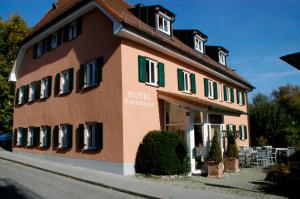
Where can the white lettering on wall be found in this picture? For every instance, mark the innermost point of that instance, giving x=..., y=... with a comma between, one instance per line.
x=136, y=98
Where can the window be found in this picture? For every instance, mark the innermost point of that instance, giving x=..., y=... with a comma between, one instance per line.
x=228, y=94
x=152, y=72
x=90, y=74
x=210, y=90
x=31, y=136
x=199, y=44
x=39, y=50
x=45, y=136
x=73, y=30
x=219, y=91
x=187, y=82
x=22, y=137
x=22, y=94
x=243, y=132
x=46, y=87
x=222, y=58
x=90, y=136
x=64, y=132
x=54, y=40
x=163, y=23
x=240, y=97
x=32, y=89
x=64, y=82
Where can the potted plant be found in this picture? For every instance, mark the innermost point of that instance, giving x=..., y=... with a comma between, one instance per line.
x=214, y=160
x=232, y=154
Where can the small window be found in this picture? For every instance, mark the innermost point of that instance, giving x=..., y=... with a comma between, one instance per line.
x=73, y=30
x=45, y=87
x=187, y=82
x=210, y=89
x=152, y=72
x=30, y=136
x=44, y=136
x=240, y=96
x=65, y=82
x=54, y=40
x=199, y=44
x=219, y=91
x=228, y=94
x=90, y=136
x=32, y=89
x=222, y=58
x=39, y=50
x=90, y=74
x=163, y=23
x=63, y=136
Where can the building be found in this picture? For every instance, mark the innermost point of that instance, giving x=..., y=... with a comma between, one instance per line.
x=292, y=59
x=93, y=77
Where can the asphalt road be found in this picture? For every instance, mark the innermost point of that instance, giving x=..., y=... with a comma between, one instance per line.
x=21, y=182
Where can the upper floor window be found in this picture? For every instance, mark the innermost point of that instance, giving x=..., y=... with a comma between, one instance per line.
x=243, y=132
x=219, y=86
x=90, y=74
x=73, y=30
x=199, y=43
x=163, y=23
x=46, y=87
x=186, y=81
x=222, y=58
x=32, y=89
x=240, y=97
x=210, y=89
x=54, y=40
x=40, y=49
x=228, y=94
x=22, y=95
x=151, y=72
x=64, y=82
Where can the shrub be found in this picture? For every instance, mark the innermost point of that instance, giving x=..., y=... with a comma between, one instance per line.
x=232, y=150
x=215, y=152
x=162, y=153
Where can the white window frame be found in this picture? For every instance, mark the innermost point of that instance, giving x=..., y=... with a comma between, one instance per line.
x=150, y=74
x=243, y=132
x=21, y=95
x=30, y=136
x=65, y=81
x=240, y=98
x=199, y=43
x=222, y=58
x=90, y=74
x=210, y=89
x=63, y=133
x=44, y=87
x=228, y=92
x=220, y=96
x=186, y=82
x=43, y=137
x=54, y=40
x=166, y=21
x=90, y=133
x=39, y=50
x=32, y=89
x=19, y=137
x=73, y=30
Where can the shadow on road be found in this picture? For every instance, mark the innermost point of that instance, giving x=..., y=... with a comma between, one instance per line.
x=12, y=190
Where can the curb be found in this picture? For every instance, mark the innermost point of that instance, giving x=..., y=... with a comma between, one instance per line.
x=84, y=180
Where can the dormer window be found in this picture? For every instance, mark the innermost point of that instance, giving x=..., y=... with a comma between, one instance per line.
x=222, y=58
x=199, y=43
x=163, y=23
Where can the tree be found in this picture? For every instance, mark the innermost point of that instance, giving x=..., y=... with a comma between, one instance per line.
x=12, y=32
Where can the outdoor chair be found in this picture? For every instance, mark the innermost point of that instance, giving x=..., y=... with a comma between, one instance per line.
x=274, y=155
x=262, y=157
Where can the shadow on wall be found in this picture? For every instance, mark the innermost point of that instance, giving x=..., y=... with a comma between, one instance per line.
x=12, y=190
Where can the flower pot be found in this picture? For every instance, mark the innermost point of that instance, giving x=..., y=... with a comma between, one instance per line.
x=232, y=165
x=215, y=170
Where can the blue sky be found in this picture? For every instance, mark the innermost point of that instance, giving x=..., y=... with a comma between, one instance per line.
x=256, y=32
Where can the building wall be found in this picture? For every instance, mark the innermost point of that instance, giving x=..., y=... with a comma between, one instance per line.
x=101, y=104
x=140, y=101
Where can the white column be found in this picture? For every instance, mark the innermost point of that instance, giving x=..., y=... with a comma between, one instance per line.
x=190, y=135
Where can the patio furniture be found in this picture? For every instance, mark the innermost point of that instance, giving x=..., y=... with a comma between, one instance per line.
x=262, y=157
x=269, y=153
x=274, y=154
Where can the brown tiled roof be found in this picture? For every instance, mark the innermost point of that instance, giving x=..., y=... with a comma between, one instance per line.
x=118, y=9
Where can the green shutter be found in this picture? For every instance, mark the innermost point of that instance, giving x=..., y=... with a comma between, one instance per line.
x=55, y=137
x=241, y=131
x=80, y=137
x=234, y=130
x=243, y=98
x=225, y=93
x=206, y=87
x=215, y=90
x=37, y=92
x=193, y=83
x=57, y=84
x=161, y=74
x=142, y=69
x=48, y=135
x=99, y=136
x=180, y=79
x=246, y=132
x=17, y=97
x=237, y=97
x=232, y=94
x=36, y=133
x=49, y=86
x=81, y=76
x=228, y=129
x=69, y=135
x=71, y=74
x=99, y=68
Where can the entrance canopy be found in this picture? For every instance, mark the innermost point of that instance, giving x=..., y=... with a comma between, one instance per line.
x=197, y=103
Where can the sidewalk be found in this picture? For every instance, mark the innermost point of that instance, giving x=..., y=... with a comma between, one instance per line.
x=125, y=184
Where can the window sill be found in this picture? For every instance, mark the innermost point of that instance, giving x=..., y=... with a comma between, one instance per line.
x=167, y=33
x=152, y=84
x=211, y=97
x=187, y=92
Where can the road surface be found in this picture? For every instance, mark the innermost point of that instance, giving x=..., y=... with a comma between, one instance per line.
x=21, y=182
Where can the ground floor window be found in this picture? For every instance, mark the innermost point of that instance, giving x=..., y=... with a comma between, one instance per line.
x=90, y=136
x=22, y=136
x=45, y=136
x=65, y=136
x=243, y=132
x=30, y=141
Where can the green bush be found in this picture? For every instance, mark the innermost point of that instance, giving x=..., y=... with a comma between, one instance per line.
x=162, y=153
x=232, y=150
x=215, y=152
